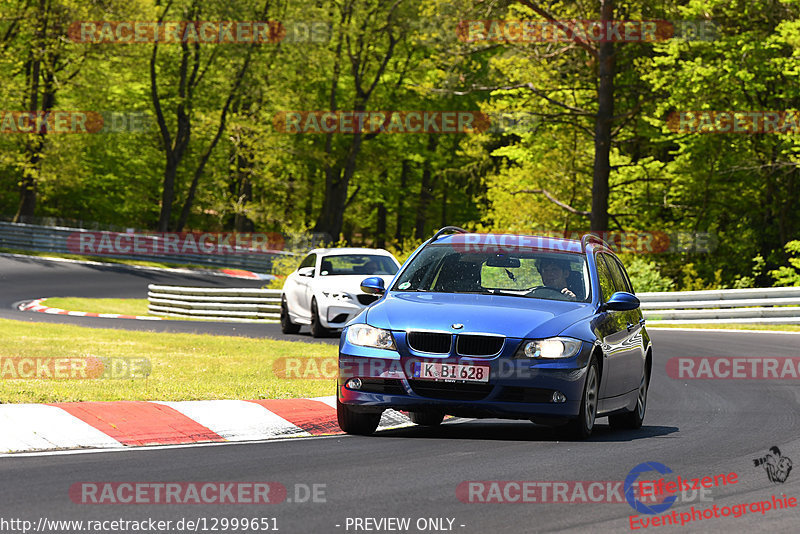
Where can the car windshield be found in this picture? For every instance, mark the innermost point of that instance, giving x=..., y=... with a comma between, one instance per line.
x=361, y=264
x=526, y=273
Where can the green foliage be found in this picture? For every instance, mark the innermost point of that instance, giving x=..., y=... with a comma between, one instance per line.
x=789, y=275
x=404, y=249
x=645, y=276
x=534, y=177
x=743, y=282
x=692, y=281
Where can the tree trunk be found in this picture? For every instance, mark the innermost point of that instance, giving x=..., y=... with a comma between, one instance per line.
x=425, y=190
x=33, y=149
x=602, y=127
x=287, y=209
x=444, y=207
x=359, y=52
x=243, y=192
x=401, y=194
x=380, y=237
x=198, y=173
x=336, y=183
x=310, y=187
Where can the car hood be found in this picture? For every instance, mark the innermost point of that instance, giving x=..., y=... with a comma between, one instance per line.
x=346, y=282
x=518, y=317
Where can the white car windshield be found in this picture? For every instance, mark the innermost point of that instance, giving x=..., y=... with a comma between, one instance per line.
x=357, y=264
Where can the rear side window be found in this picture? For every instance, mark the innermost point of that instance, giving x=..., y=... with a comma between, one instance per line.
x=625, y=277
x=620, y=280
x=604, y=276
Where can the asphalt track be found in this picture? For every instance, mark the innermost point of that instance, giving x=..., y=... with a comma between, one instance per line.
x=30, y=278
x=696, y=427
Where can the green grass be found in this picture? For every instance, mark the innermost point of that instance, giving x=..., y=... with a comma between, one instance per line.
x=184, y=366
x=735, y=326
x=123, y=306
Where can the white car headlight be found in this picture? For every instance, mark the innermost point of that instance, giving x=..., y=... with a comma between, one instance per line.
x=369, y=336
x=337, y=295
x=554, y=347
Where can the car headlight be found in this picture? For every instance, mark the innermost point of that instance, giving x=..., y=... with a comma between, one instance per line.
x=337, y=296
x=554, y=347
x=369, y=336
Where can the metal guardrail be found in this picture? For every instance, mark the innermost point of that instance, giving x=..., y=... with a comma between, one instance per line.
x=54, y=239
x=225, y=304
x=778, y=305
x=773, y=305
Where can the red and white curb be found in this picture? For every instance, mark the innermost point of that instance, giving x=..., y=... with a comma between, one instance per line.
x=119, y=424
x=229, y=273
x=37, y=306
x=248, y=275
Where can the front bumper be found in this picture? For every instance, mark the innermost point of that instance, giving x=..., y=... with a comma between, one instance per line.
x=336, y=313
x=517, y=388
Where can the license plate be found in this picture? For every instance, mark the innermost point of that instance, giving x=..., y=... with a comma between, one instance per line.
x=451, y=372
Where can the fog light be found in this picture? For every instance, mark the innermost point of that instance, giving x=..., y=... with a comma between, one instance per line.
x=559, y=397
x=354, y=383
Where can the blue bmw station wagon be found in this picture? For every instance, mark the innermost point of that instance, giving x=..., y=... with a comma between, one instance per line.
x=498, y=325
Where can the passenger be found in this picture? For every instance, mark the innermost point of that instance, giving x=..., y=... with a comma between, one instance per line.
x=372, y=267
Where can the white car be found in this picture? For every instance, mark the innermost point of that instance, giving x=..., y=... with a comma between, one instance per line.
x=325, y=291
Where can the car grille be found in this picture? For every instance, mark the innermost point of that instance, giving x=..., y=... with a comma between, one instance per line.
x=431, y=342
x=468, y=345
x=366, y=299
x=519, y=394
x=450, y=390
x=391, y=386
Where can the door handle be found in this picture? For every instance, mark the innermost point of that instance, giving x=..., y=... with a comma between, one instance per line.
x=630, y=326
x=641, y=321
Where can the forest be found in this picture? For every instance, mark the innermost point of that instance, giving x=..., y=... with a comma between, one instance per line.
x=375, y=122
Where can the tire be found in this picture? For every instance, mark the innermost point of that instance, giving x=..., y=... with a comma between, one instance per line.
x=632, y=420
x=581, y=427
x=362, y=424
x=426, y=418
x=317, y=330
x=287, y=326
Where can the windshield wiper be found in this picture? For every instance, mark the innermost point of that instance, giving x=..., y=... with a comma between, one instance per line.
x=506, y=292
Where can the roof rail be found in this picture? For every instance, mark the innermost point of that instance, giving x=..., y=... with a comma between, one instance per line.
x=446, y=229
x=592, y=238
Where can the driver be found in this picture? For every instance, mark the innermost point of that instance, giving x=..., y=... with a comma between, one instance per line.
x=554, y=274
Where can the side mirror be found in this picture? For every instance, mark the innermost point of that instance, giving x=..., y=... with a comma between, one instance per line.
x=621, y=301
x=373, y=285
x=306, y=271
